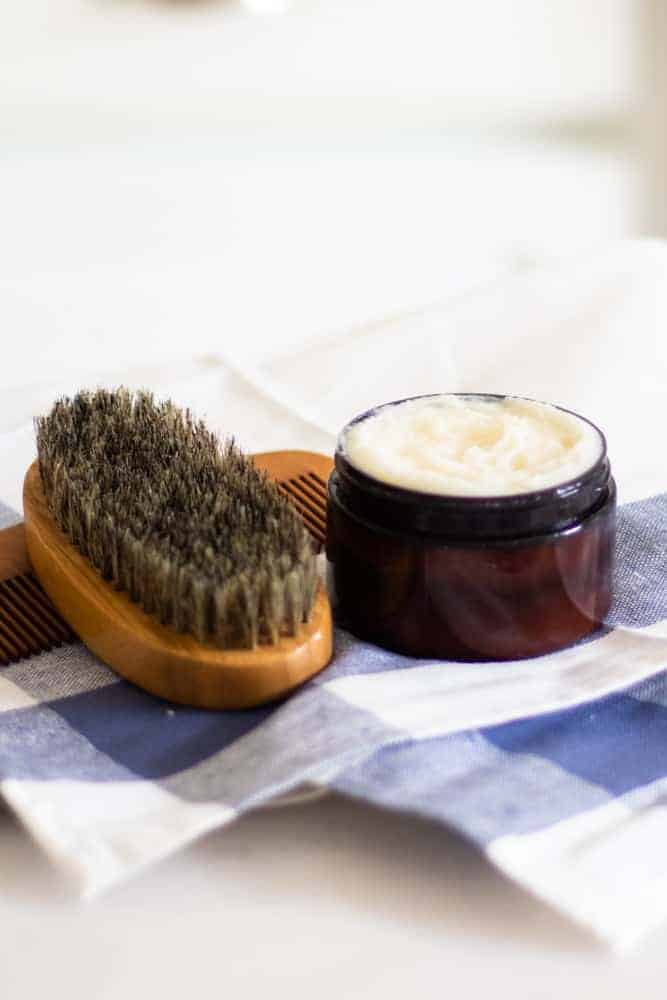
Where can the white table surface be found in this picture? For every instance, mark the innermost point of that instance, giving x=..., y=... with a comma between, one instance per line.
x=324, y=900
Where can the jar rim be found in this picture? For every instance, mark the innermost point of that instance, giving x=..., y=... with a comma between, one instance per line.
x=496, y=515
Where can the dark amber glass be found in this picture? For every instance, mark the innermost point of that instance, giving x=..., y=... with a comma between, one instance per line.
x=488, y=578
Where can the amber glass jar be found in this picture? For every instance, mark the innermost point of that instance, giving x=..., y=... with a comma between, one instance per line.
x=470, y=578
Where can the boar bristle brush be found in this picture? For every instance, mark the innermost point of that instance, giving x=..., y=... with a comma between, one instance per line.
x=171, y=555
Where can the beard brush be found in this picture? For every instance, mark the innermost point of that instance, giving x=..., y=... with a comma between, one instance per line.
x=174, y=558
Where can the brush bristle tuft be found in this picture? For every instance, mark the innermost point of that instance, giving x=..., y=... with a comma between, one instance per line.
x=183, y=523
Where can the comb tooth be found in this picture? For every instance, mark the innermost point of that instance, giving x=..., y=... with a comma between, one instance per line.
x=8, y=650
x=40, y=610
x=40, y=605
x=26, y=627
x=309, y=511
x=306, y=501
x=318, y=508
x=320, y=495
x=31, y=625
x=314, y=526
x=16, y=629
x=318, y=481
x=318, y=499
x=11, y=637
x=315, y=483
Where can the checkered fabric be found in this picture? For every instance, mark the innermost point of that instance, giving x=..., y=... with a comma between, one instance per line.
x=555, y=767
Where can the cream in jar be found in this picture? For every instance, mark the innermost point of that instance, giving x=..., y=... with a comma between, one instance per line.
x=472, y=446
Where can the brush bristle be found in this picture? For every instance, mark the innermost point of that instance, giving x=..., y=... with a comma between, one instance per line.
x=183, y=523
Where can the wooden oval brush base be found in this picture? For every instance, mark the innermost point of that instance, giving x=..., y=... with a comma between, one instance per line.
x=153, y=656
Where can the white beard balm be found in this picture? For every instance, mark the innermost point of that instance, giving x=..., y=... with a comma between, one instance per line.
x=473, y=446
x=471, y=526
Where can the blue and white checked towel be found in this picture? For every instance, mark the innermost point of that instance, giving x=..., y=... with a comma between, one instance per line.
x=555, y=767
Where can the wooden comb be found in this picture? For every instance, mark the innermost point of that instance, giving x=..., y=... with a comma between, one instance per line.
x=172, y=665
x=29, y=623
